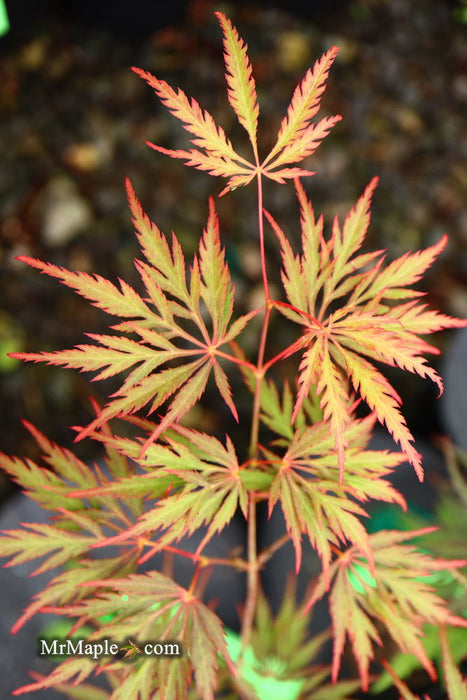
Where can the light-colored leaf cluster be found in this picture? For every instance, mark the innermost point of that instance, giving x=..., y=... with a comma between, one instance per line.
x=397, y=596
x=298, y=136
x=142, y=607
x=353, y=312
x=313, y=499
x=171, y=339
x=206, y=488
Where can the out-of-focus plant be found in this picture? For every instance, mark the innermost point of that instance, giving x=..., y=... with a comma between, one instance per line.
x=4, y=21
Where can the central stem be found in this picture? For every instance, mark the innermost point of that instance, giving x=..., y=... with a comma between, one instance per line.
x=253, y=563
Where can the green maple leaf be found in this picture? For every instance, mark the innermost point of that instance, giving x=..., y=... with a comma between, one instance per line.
x=207, y=488
x=315, y=502
x=153, y=606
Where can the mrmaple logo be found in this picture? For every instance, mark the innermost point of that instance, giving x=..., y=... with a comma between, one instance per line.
x=96, y=650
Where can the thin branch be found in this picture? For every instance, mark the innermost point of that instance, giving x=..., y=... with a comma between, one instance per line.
x=253, y=571
x=268, y=552
x=252, y=579
x=261, y=237
x=259, y=372
x=201, y=560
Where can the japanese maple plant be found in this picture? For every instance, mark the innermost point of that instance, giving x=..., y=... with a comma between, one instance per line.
x=349, y=314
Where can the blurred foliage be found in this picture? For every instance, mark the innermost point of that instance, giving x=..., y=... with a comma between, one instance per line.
x=449, y=541
x=11, y=340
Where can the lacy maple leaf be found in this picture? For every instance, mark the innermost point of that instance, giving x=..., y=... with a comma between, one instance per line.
x=297, y=138
x=155, y=607
x=205, y=487
x=172, y=312
x=313, y=501
x=345, y=302
x=396, y=595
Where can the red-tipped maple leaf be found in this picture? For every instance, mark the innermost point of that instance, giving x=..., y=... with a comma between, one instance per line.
x=313, y=501
x=298, y=137
x=176, y=349
x=396, y=595
x=366, y=326
x=147, y=607
x=207, y=488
